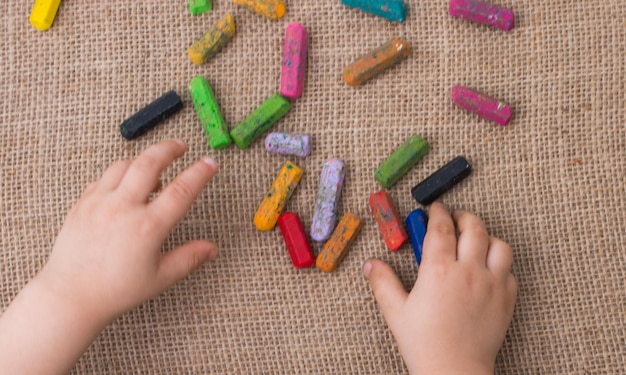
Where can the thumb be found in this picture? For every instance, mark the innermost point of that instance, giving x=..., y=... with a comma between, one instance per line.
x=181, y=262
x=388, y=290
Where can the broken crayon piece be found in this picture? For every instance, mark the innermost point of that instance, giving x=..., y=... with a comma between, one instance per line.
x=272, y=9
x=296, y=241
x=481, y=104
x=43, y=13
x=212, y=41
x=401, y=161
x=416, y=224
x=327, y=200
x=375, y=62
x=200, y=6
x=393, y=10
x=151, y=115
x=259, y=121
x=288, y=144
x=441, y=181
x=483, y=12
x=294, y=61
x=274, y=201
x=388, y=219
x=336, y=248
x=213, y=124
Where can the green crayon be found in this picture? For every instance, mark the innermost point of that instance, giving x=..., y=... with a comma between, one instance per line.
x=400, y=161
x=200, y=6
x=259, y=121
x=211, y=119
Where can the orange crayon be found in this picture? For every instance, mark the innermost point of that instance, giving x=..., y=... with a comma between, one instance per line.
x=276, y=198
x=372, y=64
x=336, y=248
x=273, y=9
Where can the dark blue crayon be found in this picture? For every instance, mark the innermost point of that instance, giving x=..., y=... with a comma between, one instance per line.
x=416, y=224
x=151, y=115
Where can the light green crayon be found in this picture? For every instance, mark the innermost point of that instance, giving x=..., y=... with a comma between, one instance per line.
x=259, y=121
x=400, y=161
x=200, y=6
x=208, y=111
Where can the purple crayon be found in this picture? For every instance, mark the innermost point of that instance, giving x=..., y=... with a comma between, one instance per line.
x=327, y=201
x=288, y=144
x=481, y=12
x=485, y=106
x=294, y=61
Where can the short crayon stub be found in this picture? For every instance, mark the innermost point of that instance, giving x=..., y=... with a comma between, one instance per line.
x=336, y=248
x=393, y=10
x=444, y=179
x=43, y=13
x=274, y=201
x=374, y=63
x=212, y=42
x=272, y=9
x=327, y=200
x=483, y=12
x=416, y=224
x=388, y=219
x=294, y=61
x=259, y=121
x=197, y=7
x=401, y=161
x=151, y=115
x=213, y=124
x=296, y=241
x=481, y=104
x=288, y=144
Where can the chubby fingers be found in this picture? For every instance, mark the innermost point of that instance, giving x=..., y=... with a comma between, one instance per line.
x=473, y=240
x=499, y=257
x=440, y=242
x=177, y=197
x=387, y=288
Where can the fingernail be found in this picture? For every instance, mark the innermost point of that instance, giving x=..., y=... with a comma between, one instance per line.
x=210, y=162
x=367, y=268
x=214, y=253
x=180, y=142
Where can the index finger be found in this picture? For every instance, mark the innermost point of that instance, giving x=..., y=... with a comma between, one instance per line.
x=440, y=242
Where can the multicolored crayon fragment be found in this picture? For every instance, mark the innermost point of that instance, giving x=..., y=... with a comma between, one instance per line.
x=435, y=185
x=294, y=61
x=416, y=224
x=483, y=12
x=213, y=124
x=273, y=9
x=296, y=241
x=43, y=13
x=259, y=121
x=393, y=10
x=200, y=6
x=288, y=144
x=481, y=104
x=212, y=42
x=327, y=201
x=151, y=115
x=374, y=63
x=401, y=161
x=388, y=219
x=274, y=201
x=336, y=248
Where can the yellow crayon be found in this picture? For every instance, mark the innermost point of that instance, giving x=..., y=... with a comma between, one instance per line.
x=278, y=195
x=337, y=246
x=43, y=13
x=212, y=42
x=273, y=9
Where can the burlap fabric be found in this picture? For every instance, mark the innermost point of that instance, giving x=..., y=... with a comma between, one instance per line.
x=552, y=183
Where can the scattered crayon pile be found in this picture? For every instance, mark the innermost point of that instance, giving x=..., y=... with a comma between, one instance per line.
x=337, y=237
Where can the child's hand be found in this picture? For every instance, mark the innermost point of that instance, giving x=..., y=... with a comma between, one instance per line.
x=108, y=253
x=455, y=318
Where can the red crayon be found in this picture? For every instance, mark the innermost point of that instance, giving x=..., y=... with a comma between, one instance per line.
x=296, y=240
x=388, y=220
x=481, y=104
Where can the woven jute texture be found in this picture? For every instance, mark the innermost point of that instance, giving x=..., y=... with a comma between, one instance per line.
x=552, y=183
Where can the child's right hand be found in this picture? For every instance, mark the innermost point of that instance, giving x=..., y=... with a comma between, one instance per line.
x=455, y=319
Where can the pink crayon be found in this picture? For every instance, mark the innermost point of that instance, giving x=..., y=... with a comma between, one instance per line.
x=294, y=61
x=482, y=12
x=485, y=106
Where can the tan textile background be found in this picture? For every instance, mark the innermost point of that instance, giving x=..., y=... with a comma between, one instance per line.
x=552, y=183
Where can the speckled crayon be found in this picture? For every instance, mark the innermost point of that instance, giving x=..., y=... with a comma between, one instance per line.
x=393, y=10
x=388, y=220
x=327, y=201
x=272, y=9
x=482, y=12
x=277, y=196
x=416, y=224
x=259, y=121
x=336, y=248
x=294, y=61
x=375, y=62
x=288, y=144
x=212, y=42
x=213, y=124
x=401, y=161
x=200, y=6
x=481, y=104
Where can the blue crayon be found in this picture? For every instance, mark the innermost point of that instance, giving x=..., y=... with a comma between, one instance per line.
x=393, y=10
x=416, y=224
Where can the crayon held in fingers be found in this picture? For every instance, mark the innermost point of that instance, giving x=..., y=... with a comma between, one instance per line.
x=401, y=161
x=481, y=104
x=296, y=241
x=273, y=9
x=336, y=248
x=43, y=13
x=212, y=42
x=374, y=63
x=294, y=61
x=393, y=10
x=416, y=224
x=389, y=222
x=483, y=12
x=213, y=124
x=151, y=115
x=435, y=185
x=259, y=121
x=327, y=200
x=274, y=201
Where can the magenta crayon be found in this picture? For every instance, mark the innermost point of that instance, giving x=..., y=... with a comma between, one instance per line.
x=294, y=61
x=481, y=104
x=482, y=12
